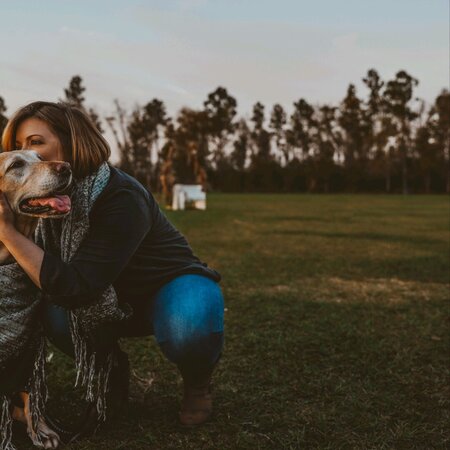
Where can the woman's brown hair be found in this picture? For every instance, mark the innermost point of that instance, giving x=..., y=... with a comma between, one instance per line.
x=83, y=145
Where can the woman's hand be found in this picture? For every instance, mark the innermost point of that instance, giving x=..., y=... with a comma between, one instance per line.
x=6, y=217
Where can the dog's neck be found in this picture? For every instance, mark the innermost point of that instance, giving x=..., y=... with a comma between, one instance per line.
x=25, y=225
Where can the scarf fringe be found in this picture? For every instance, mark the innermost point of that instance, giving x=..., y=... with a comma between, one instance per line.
x=37, y=388
x=6, y=422
x=93, y=373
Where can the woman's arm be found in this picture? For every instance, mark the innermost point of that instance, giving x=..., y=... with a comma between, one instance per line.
x=26, y=253
x=118, y=226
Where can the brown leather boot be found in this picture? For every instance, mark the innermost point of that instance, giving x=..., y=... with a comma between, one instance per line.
x=196, y=406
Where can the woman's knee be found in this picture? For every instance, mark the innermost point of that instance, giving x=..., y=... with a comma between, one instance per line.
x=188, y=318
x=193, y=348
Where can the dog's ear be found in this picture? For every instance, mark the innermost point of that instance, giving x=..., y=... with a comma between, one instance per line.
x=2, y=162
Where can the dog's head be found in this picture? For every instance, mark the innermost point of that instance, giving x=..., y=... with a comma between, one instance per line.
x=34, y=187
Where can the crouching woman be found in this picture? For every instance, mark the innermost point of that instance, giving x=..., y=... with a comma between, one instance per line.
x=128, y=246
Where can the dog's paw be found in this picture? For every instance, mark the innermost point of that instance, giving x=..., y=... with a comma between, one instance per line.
x=44, y=437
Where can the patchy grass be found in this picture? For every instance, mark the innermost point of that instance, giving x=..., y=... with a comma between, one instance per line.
x=337, y=330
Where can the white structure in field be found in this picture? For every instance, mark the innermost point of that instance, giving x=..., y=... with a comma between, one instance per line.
x=188, y=196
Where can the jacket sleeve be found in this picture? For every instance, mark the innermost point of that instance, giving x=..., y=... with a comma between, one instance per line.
x=117, y=227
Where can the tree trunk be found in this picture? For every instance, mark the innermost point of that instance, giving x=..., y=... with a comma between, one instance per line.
x=388, y=173
x=405, y=146
x=427, y=183
x=448, y=177
x=404, y=176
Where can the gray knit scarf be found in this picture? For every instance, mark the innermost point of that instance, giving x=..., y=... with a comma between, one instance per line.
x=22, y=341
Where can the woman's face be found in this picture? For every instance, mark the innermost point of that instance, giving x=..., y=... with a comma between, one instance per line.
x=35, y=134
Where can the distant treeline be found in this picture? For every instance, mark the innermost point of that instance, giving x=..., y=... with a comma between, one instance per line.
x=388, y=141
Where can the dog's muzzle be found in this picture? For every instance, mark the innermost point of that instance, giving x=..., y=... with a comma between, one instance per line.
x=55, y=203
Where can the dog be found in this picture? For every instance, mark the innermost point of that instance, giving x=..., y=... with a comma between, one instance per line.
x=34, y=189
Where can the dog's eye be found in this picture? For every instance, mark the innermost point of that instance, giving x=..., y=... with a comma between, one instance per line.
x=16, y=164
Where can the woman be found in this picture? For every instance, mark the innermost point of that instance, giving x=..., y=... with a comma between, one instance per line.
x=130, y=245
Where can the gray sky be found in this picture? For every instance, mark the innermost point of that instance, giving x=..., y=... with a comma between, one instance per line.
x=179, y=51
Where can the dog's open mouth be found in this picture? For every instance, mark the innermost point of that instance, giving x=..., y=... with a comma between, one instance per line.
x=55, y=205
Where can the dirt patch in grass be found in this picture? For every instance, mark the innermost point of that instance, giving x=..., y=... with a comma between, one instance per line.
x=337, y=290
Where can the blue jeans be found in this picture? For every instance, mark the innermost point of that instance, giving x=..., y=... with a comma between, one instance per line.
x=186, y=316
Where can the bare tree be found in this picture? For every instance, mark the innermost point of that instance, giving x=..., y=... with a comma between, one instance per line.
x=118, y=125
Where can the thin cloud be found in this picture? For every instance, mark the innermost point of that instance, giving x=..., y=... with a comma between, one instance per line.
x=169, y=51
x=189, y=5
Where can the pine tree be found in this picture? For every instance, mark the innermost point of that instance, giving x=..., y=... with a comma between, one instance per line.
x=439, y=132
x=220, y=108
x=354, y=123
x=397, y=96
x=303, y=127
x=277, y=124
x=241, y=146
x=74, y=96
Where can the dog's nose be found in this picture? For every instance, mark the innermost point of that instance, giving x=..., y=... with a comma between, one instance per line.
x=62, y=167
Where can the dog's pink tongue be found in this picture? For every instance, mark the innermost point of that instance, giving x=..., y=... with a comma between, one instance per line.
x=60, y=203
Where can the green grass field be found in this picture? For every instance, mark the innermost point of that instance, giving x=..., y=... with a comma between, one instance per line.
x=336, y=322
